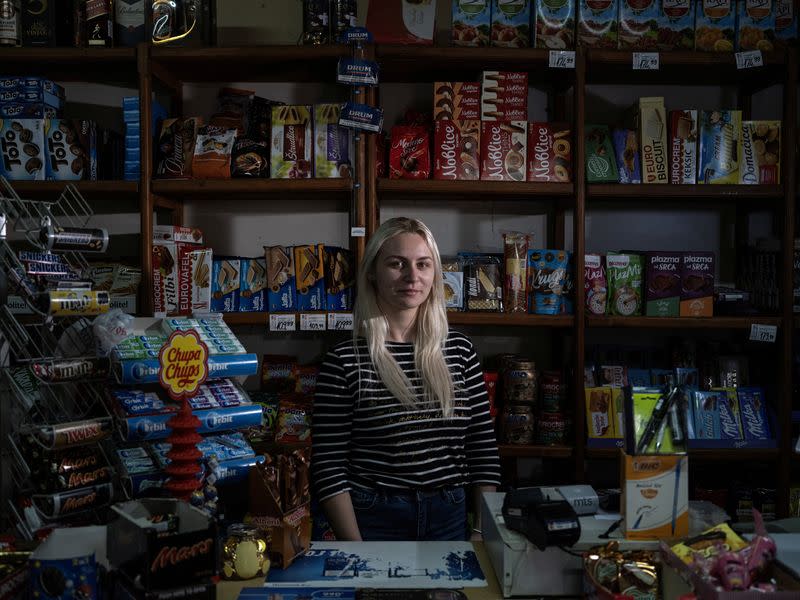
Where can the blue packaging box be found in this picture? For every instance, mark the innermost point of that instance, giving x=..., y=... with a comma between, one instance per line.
x=225, y=281
x=281, y=293
x=626, y=150
x=753, y=411
x=705, y=406
x=639, y=377
x=339, y=279
x=252, y=285
x=135, y=372
x=310, y=277
x=133, y=155
x=214, y=420
x=30, y=97
x=133, y=141
x=19, y=110
x=729, y=421
x=40, y=84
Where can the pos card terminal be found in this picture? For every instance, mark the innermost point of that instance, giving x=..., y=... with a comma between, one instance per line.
x=545, y=519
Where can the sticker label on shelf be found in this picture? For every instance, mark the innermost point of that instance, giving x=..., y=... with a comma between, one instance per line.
x=358, y=232
x=562, y=59
x=282, y=322
x=763, y=333
x=749, y=60
x=312, y=322
x=646, y=61
x=340, y=321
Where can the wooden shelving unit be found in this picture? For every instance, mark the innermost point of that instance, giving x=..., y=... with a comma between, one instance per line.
x=102, y=191
x=634, y=194
x=455, y=318
x=218, y=189
x=475, y=190
x=734, y=454
x=516, y=451
x=683, y=322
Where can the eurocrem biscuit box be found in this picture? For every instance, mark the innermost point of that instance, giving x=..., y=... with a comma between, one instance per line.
x=683, y=146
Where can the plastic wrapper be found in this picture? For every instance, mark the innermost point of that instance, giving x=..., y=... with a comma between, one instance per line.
x=294, y=421
x=483, y=277
x=608, y=572
x=515, y=249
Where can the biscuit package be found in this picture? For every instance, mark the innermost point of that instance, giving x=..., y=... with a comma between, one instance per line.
x=23, y=149
x=601, y=166
x=683, y=146
x=483, y=284
x=598, y=23
x=457, y=150
x=175, y=147
x=626, y=150
x=456, y=100
x=291, y=152
x=252, y=285
x=201, y=267
x=212, y=152
x=309, y=277
x=515, y=247
x=281, y=293
x=759, y=159
x=651, y=120
x=332, y=142
x=225, y=281
x=164, y=262
x=340, y=279
x=720, y=131
x=756, y=25
x=549, y=152
x=503, y=150
x=697, y=284
x=663, y=281
x=595, y=284
x=599, y=412
x=70, y=149
x=547, y=272
x=715, y=25
x=249, y=158
x=504, y=96
x=624, y=284
x=453, y=275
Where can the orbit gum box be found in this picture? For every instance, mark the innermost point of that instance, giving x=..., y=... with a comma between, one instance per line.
x=759, y=161
x=715, y=25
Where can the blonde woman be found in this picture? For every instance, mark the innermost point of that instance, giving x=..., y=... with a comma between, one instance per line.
x=401, y=418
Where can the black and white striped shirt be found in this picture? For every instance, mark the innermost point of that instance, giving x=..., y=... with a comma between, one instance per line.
x=363, y=436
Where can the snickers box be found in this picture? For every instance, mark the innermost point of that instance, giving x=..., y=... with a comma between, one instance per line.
x=504, y=96
x=252, y=286
x=339, y=279
x=549, y=152
x=456, y=150
x=225, y=280
x=697, y=284
x=456, y=100
x=683, y=146
x=503, y=150
x=173, y=552
x=309, y=277
x=281, y=293
x=22, y=149
x=663, y=281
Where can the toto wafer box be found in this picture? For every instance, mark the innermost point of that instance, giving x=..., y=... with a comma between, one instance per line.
x=456, y=147
x=652, y=125
x=697, y=284
x=756, y=25
x=715, y=25
x=597, y=23
x=504, y=96
x=23, y=149
x=503, y=150
x=683, y=146
x=663, y=284
x=549, y=152
x=71, y=149
x=760, y=152
x=720, y=131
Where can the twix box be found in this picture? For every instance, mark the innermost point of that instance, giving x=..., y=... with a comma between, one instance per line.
x=652, y=125
x=456, y=100
x=456, y=152
x=697, y=284
x=683, y=146
x=760, y=155
x=503, y=150
x=549, y=152
x=504, y=96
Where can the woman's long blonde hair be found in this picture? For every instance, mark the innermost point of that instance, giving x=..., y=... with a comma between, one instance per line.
x=430, y=325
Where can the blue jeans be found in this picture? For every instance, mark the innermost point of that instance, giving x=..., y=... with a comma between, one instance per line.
x=385, y=515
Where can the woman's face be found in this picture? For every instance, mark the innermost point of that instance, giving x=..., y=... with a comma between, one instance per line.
x=404, y=272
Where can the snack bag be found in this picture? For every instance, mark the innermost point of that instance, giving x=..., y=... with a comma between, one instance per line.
x=410, y=156
x=547, y=273
x=516, y=273
x=484, y=285
x=212, y=153
x=294, y=421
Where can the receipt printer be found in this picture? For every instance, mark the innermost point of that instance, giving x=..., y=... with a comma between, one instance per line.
x=543, y=516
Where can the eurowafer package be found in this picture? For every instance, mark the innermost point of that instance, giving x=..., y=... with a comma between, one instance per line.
x=225, y=284
x=252, y=285
x=309, y=277
x=281, y=293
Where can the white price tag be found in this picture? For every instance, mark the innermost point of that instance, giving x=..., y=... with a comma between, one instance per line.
x=358, y=232
x=312, y=322
x=646, y=61
x=562, y=59
x=749, y=60
x=282, y=322
x=340, y=321
x=763, y=333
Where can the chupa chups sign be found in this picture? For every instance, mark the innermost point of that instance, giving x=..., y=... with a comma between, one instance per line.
x=183, y=364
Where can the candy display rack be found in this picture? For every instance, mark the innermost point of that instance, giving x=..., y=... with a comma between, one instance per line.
x=53, y=377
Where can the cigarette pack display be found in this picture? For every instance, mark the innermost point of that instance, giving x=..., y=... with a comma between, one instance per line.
x=601, y=167
x=715, y=25
x=456, y=150
x=549, y=152
x=23, y=149
x=339, y=279
x=511, y=23
x=624, y=284
x=785, y=23
x=332, y=143
x=252, y=285
x=755, y=27
x=656, y=26
x=720, y=132
x=555, y=25
x=697, y=284
x=626, y=151
x=402, y=22
x=753, y=410
x=456, y=100
x=597, y=23
x=310, y=277
x=281, y=293
x=291, y=152
x=683, y=146
x=503, y=150
x=595, y=284
x=759, y=159
x=663, y=281
x=225, y=280
x=471, y=22
x=651, y=121
x=504, y=96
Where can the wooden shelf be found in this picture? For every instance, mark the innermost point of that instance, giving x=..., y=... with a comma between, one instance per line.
x=430, y=63
x=509, y=320
x=474, y=190
x=71, y=64
x=214, y=188
x=682, y=67
x=732, y=454
x=109, y=191
x=647, y=193
x=517, y=451
x=250, y=63
x=682, y=322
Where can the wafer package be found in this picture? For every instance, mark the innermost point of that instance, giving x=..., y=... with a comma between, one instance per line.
x=292, y=149
x=683, y=146
x=339, y=279
x=225, y=281
x=252, y=285
x=483, y=283
x=719, y=146
x=652, y=124
x=281, y=292
x=309, y=277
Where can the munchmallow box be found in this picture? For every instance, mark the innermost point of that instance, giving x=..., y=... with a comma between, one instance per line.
x=715, y=25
